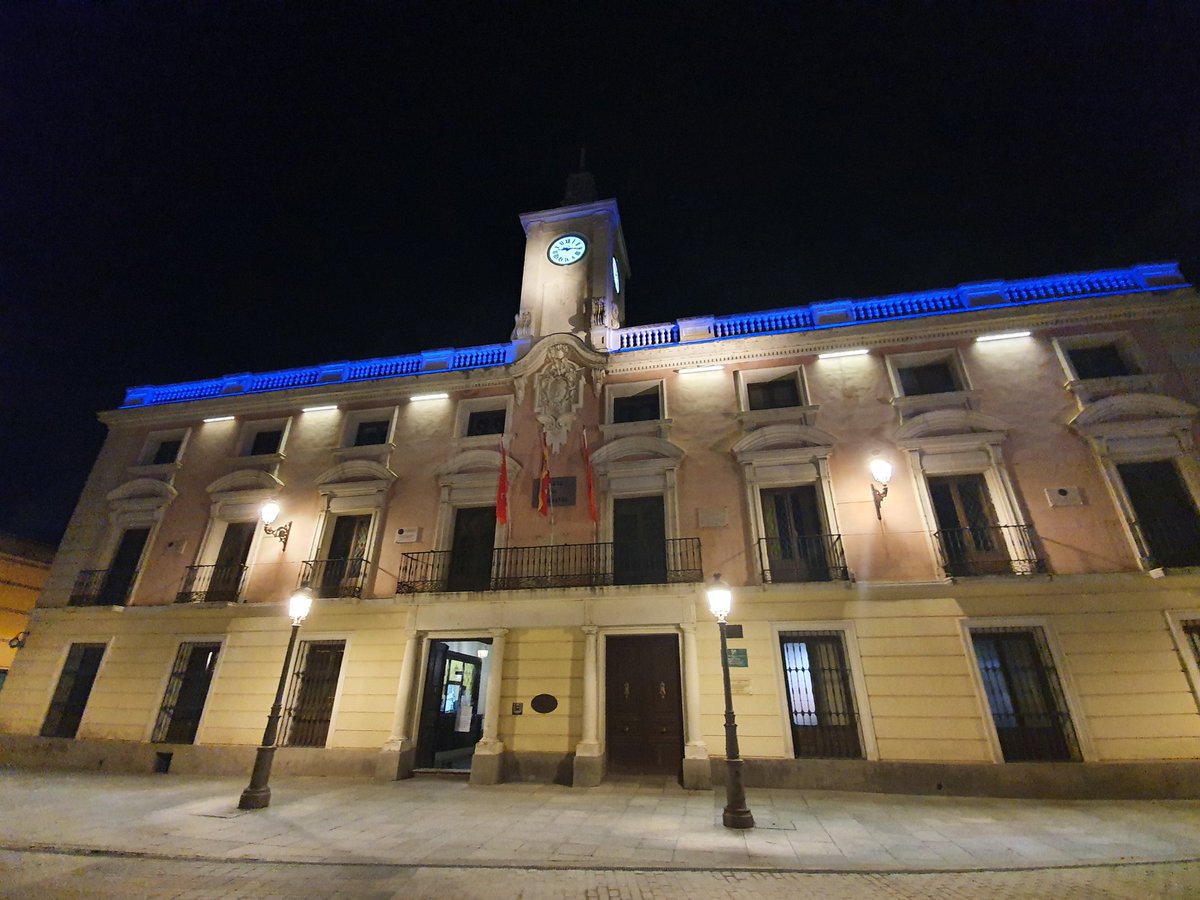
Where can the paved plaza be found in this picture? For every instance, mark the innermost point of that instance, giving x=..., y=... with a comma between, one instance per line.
x=77, y=834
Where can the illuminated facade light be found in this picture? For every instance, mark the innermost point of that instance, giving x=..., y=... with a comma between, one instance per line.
x=1001, y=337
x=417, y=398
x=212, y=419
x=692, y=370
x=862, y=351
x=319, y=408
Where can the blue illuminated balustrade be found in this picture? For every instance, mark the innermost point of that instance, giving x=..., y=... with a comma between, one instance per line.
x=815, y=316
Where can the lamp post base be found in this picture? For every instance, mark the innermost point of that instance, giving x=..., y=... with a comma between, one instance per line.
x=736, y=814
x=257, y=794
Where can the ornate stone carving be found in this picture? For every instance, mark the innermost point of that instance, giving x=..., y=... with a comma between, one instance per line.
x=523, y=327
x=558, y=395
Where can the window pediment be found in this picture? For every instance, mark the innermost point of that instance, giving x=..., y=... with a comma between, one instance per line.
x=638, y=448
x=1130, y=427
x=785, y=437
x=245, y=480
x=140, y=501
x=354, y=470
x=950, y=426
x=1132, y=408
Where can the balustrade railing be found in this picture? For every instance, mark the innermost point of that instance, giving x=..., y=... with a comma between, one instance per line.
x=214, y=584
x=102, y=587
x=802, y=557
x=674, y=561
x=990, y=550
x=343, y=577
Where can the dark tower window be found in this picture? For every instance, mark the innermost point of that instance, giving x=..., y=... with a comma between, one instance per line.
x=1098, y=362
x=641, y=407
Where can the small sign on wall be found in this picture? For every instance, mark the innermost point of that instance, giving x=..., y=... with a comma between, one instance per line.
x=737, y=658
x=562, y=491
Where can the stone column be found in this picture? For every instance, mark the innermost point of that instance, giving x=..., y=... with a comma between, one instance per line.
x=589, y=761
x=697, y=774
x=397, y=756
x=487, y=763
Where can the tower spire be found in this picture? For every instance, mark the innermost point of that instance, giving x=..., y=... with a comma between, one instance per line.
x=581, y=186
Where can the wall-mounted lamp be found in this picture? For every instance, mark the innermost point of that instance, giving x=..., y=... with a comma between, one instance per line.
x=269, y=513
x=881, y=471
x=693, y=370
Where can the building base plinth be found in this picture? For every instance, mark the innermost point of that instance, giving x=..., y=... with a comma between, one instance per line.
x=487, y=765
x=697, y=774
x=588, y=770
x=395, y=763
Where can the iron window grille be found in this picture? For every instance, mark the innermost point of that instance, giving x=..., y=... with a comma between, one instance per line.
x=73, y=689
x=187, y=690
x=824, y=719
x=1029, y=708
x=313, y=688
x=1191, y=630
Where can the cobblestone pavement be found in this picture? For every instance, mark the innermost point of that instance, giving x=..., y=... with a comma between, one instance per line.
x=88, y=834
x=51, y=875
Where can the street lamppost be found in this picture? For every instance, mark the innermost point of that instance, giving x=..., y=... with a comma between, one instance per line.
x=257, y=794
x=737, y=814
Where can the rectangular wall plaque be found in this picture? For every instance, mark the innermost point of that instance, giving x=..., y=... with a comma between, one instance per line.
x=562, y=491
x=737, y=658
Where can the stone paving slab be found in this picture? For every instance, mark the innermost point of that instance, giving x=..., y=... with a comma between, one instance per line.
x=637, y=823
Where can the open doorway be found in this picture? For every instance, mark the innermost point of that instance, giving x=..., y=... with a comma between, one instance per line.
x=456, y=674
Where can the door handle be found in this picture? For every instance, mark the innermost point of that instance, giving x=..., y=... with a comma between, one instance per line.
x=627, y=690
x=662, y=690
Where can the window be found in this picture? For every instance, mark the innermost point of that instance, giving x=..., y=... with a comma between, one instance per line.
x=932, y=378
x=162, y=448
x=1102, y=361
x=470, y=567
x=221, y=582
x=74, y=688
x=166, y=452
x=639, y=407
x=264, y=438
x=111, y=586
x=343, y=571
x=820, y=698
x=1166, y=514
x=372, y=432
x=313, y=690
x=639, y=540
x=796, y=544
x=266, y=442
x=187, y=691
x=971, y=540
x=1192, y=631
x=778, y=393
x=486, y=421
x=1028, y=706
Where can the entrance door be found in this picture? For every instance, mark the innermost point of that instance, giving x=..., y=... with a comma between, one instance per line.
x=123, y=568
x=344, y=566
x=643, y=707
x=794, y=534
x=451, y=710
x=187, y=690
x=471, y=552
x=639, y=541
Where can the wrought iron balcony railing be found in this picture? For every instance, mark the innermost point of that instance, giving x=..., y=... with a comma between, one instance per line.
x=1170, y=543
x=103, y=587
x=344, y=577
x=215, y=584
x=673, y=561
x=802, y=557
x=989, y=550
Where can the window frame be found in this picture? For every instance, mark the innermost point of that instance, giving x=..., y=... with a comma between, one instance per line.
x=298, y=658
x=462, y=416
x=145, y=460
x=911, y=405
x=221, y=641
x=250, y=431
x=1176, y=620
x=657, y=427
x=52, y=688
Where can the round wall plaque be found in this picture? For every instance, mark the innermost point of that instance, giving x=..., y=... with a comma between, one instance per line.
x=544, y=703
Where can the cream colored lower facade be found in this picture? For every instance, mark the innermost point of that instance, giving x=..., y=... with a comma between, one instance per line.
x=1127, y=672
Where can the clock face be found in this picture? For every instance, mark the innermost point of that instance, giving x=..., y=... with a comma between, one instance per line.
x=616, y=277
x=567, y=249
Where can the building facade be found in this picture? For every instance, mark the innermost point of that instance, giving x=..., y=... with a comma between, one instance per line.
x=24, y=565
x=509, y=546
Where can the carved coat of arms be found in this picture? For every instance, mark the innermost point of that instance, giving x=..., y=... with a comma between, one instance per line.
x=558, y=396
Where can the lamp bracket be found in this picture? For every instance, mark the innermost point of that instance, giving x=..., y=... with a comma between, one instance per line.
x=281, y=532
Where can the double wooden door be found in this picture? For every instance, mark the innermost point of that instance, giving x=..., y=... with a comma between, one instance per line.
x=644, y=711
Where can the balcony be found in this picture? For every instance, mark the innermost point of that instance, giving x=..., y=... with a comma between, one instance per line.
x=989, y=550
x=674, y=561
x=802, y=558
x=103, y=587
x=1170, y=542
x=212, y=584
x=344, y=577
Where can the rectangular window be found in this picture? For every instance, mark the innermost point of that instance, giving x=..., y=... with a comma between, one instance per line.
x=123, y=570
x=187, y=691
x=166, y=452
x=1024, y=694
x=967, y=535
x=640, y=407
x=343, y=570
x=932, y=378
x=820, y=698
x=74, y=688
x=265, y=442
x=1104, y=361
x=368, y=434
x=486, y=421
x=314, y=687
x=778, y=393
x=471, y=549
x=1166, y=515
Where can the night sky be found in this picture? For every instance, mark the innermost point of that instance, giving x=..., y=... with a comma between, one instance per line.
x=193, y=189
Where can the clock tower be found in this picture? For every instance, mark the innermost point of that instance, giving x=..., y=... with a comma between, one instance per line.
x=576, y=269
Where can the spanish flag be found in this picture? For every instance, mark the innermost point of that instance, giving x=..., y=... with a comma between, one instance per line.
x=587, y=474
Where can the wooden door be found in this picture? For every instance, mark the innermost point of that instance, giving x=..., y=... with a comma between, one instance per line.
x=644, y=708
x=639, y=541
x=794, y=534
x=226, y=580
x=124, y=567
x=471, y=551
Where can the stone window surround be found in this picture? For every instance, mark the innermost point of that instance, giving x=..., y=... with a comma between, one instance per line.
x=236, y=497
x=1087, y=389
x=1087, y=750
x=354, y=487
x=1127, y=428
x=140, y=503
x=910, y=406
x=379, y=453
x=620, y=477
x=659, y=427
x=974, y=450
x=462, y=415
x=803, y=459
x=858, y=684
x=755, y=418
x=250, y=429
x=145, y=463
x=470, y=479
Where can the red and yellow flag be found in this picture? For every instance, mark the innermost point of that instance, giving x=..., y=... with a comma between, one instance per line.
x=544, y=480
x=587, y=474
x=502, y=489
